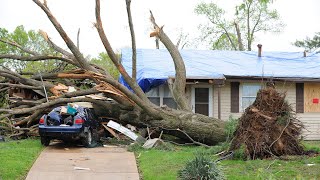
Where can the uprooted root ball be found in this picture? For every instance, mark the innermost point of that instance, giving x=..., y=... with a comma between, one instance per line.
x=268, y=127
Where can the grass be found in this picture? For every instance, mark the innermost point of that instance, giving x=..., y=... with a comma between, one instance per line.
x=17, y=157
x=161, y=164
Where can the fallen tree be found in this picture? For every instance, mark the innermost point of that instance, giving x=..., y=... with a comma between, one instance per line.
x=268, y=128
x=129, y=107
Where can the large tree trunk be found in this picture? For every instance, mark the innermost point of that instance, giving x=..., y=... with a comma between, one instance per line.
x=201, y=128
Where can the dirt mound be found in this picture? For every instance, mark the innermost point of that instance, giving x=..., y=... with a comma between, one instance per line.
x=268, y=127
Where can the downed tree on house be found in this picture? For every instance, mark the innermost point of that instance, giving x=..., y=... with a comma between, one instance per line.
x=268, y=127
x=128, y=107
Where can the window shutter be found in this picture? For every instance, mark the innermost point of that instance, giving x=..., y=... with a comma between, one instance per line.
x=299, y=97
x=235, y=97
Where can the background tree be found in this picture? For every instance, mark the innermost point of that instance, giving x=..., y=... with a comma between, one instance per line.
x=20, y=40
x=309, y=44
x=105, y=62
x=238, y=33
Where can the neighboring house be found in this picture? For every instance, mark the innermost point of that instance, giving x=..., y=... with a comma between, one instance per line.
x=224, y=83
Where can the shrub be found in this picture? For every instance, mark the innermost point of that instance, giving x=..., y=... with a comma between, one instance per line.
x=201, y=168
x=231, y=127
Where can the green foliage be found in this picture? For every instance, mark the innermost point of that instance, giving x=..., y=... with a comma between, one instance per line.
x=308, y=43
x=252, y=16
x=105, y=62
x=312, y=146
x=30, y=40
x=201, y=167
x=231, y=127
x=3, y=99
x=163, y=165
x=215, y=32
x=240, y=153
x=17, y=157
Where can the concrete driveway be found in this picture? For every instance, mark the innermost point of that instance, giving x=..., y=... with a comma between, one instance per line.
x=59, y=161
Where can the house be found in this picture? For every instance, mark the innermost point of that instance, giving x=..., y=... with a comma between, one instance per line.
x=224, y=83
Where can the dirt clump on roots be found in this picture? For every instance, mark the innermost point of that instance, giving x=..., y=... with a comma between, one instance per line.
x=269, y=127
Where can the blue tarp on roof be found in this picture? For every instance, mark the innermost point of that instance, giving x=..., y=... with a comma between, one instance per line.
x=154, y=66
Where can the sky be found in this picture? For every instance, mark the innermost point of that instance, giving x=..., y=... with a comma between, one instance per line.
x=301, y=19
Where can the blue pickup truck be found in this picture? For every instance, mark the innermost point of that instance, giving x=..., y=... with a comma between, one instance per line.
x=79, y=124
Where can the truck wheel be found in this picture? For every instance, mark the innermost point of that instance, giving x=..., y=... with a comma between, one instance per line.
x=87, y=139
x=45, y=141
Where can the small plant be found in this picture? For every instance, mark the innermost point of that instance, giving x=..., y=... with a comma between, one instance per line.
x=240, y=153
x=231, y=127
x=201, y=168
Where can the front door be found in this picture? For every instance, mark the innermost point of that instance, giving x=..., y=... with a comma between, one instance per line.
x=202, y=100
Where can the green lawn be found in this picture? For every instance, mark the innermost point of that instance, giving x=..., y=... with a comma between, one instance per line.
x=160, y=164
x=17, y=157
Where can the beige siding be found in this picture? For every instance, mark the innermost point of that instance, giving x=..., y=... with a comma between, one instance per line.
x=290, y=89
x=225, y=102
x=311, y=122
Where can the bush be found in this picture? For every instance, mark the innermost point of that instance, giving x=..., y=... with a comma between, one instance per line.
x=201, y=167
x=231, y=127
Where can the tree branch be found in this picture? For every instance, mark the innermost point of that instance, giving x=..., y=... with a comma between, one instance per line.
x=20, y=47
x=133, y=41
x=21, y=86
x=140, y=98
x=79, y=57
x=55, y=46
x=46, y=105
x=241, y=48
x=36, y=58
x=180, y=76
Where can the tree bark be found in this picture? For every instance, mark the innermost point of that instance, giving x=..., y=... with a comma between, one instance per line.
x=133, y=41
x=201, y=128
x=240, y=44
x=180, y=76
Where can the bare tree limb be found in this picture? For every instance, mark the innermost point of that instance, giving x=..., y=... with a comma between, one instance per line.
x=21, y=86
x=19, y=78
x=55, y=46
x=78, y=39
x=133, y=41
x=79, y=57
x=36, y=58
x=190, y=138
x=240, y=44
x=20, y=47
x=180, y=77
x=142, y=99
x=46, y=105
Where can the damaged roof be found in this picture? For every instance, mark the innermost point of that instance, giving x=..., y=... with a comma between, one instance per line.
x=154, y=66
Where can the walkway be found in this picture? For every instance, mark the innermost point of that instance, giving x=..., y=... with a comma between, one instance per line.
x=59, y=161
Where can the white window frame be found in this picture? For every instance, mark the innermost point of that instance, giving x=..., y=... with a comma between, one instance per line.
x=193, y=98
x=161, y=94
x=241, y=93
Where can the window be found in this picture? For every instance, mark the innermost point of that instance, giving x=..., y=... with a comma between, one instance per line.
x=249, y=94
x=202, y=100
x=167, y=98
x=154, y=96
x=162, y=96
